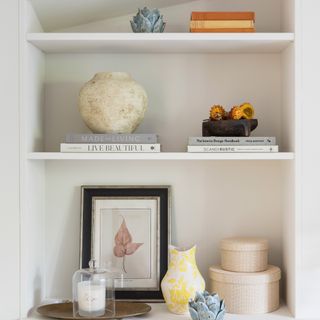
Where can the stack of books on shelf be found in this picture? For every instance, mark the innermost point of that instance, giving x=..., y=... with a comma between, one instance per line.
x=222, y=22
x=232, y=144
x=110, y=143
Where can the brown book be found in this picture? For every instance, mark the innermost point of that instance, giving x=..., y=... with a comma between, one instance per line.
x=197, y=15
x=212, y=24
x=222, y=30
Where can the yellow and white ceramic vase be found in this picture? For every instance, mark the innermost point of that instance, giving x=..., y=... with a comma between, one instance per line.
x=182, y=279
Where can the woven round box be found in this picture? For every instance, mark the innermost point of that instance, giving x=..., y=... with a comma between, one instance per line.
x=244, y=254
x=247, y=293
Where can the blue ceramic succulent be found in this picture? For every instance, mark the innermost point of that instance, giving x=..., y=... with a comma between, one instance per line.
x=147, y=20
x=206, y=306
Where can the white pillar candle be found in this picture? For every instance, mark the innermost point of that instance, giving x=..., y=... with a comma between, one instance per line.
x=91, y=299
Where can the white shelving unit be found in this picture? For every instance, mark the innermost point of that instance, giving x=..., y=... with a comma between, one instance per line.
x=161, y=42
x=184, y=74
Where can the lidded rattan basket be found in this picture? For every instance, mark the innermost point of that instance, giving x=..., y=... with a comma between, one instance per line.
x=247, y=293
x=244, y=254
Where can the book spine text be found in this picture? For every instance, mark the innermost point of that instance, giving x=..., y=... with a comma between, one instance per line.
x=111, y=138
x=244, y=149
x=237, y=141
x=94, y=147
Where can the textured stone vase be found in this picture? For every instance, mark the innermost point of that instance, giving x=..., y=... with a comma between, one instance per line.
x=182, y=280
x=112, y=102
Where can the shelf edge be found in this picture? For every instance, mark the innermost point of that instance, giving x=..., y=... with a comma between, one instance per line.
x=182, y=156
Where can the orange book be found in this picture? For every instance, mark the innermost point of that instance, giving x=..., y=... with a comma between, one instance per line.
x=222, y=30
x=215, y=24
x=214, y=15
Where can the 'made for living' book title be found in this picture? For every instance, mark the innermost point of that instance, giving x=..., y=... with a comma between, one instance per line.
x=110, y=143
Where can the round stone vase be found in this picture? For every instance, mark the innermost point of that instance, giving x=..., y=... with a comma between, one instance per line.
x=112, y=102
x=182, y=279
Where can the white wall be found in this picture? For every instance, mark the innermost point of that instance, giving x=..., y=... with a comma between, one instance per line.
x=181, y=89
x=177, y=17
x=206, y=207
x=308, y=271
x=9, y=160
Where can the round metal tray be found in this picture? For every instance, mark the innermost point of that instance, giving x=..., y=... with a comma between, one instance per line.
x=65, y=310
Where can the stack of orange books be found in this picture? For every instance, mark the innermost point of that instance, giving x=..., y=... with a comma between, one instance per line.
x=222, y=22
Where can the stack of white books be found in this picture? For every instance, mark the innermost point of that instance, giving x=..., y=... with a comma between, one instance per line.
x=232, y=144
x=110, y=143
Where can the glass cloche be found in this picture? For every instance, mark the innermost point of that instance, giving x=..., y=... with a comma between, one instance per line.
x=93, y=292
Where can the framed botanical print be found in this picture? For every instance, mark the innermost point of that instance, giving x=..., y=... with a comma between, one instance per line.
x=128, y=228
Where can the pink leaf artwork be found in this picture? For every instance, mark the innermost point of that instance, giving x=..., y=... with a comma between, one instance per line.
x=123, y=244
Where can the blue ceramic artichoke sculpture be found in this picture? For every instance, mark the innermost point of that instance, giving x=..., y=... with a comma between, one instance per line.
x=206, y=306
x=147, y=20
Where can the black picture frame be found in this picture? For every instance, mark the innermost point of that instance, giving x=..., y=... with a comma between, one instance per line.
x=163, y=193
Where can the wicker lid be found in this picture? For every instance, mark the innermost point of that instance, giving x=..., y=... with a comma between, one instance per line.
x=244, y=244
x=272, y=274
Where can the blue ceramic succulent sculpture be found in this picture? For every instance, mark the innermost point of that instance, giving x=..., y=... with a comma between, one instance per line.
x=147, y=20
x=206, y=306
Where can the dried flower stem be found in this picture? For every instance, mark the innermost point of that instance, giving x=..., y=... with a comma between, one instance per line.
x=124, y=264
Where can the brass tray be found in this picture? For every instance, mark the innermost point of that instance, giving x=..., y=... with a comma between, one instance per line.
x=65, y=310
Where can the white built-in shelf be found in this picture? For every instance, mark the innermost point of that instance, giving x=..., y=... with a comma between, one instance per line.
x=160, y=156
x=159, y=312
x=60, y=14
x=161, y=42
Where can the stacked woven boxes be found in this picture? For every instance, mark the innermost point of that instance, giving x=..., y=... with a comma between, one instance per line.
x=245, y=280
